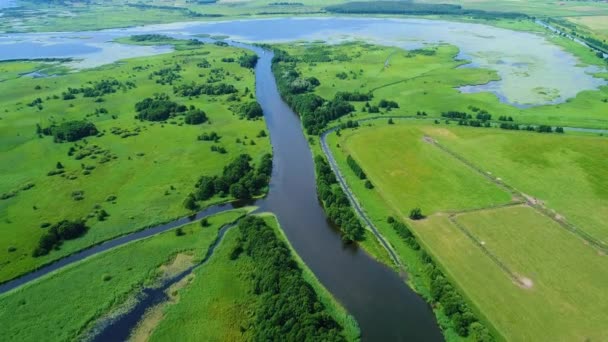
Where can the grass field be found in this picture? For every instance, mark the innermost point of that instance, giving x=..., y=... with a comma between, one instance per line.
x=139, y=172
x=416, y=80
x=564, y=172
x=218, y=303
x=545, y=295
x=78, y=295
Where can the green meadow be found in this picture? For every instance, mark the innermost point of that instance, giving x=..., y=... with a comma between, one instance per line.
x=497, y=202
x=81, y=294
x=545, y=294
x=218, y=305
x=137, y=172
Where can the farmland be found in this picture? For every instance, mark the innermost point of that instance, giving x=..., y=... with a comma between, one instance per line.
x=489, y=199
x=533, y=257
x=134, y=171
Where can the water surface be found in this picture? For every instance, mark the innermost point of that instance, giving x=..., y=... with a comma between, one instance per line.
x=533, y=71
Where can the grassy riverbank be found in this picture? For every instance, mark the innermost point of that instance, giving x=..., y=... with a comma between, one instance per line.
x=552, y=180
x=132, y=173
x=94, y=288
x=220, y=305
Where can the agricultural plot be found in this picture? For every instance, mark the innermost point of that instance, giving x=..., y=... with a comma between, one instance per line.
x=121, y=146
x=544, y=278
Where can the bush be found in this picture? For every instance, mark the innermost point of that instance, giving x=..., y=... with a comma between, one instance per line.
x=71, y=131
x=57, y=233
x=195, y=117
x=416, y=214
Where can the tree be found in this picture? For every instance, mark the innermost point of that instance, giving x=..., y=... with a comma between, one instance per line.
x=368, y=185
x=390, y=121
x=195, y=117
x=59, y=165
x=190, y=203
x=416, y=214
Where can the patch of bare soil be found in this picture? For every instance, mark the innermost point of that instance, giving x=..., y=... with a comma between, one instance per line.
x=180, y=263
x=428, y=139
x=526, y=283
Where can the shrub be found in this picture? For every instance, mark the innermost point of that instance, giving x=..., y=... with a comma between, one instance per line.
x=195, y=117
x=416, y=214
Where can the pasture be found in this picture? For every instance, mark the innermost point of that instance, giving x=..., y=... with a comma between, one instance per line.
x=516, y=264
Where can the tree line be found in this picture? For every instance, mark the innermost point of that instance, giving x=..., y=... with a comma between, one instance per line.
x=288, y=308
x=336, y=204
x=442, y=292
x=413, y=8
x=352, y=163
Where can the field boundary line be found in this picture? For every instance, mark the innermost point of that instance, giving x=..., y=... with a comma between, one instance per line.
x=486, y=251
x=555, y=217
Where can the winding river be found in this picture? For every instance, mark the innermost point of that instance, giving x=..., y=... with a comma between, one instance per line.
x=384, y=306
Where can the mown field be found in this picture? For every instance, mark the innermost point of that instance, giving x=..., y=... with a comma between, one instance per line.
x=218, y=305
x=133, y=172
x=543, y=293
x=96, y=287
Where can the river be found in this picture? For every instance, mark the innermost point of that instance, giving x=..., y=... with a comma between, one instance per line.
x=384, y=306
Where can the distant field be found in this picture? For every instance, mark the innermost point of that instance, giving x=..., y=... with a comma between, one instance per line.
x=533, y=7
x=545, y=296
x=80, y=294
x=597, y=24
x=138, y=172
x=416, y=79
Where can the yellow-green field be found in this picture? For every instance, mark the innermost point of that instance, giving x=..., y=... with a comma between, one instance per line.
x=526, y=275
x=151, y=168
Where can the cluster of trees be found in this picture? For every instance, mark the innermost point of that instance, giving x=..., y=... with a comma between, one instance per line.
x=248, y=61
x=315, y=111
x=203, y=64
x=456, y=115
x=195, y=89
x=443, y=293
x=336, y=203
x=414, y=8
x=97, y=89
x=539, y=129
x=240, y=179
x=505, y=118
x=288, y=308
x=57, y=233
x=356, y=96
x=212, y=136
x=251, y=110
x=167, y=75
x=388, y=104
x=349, y=124
x=150, y=38
x=69, y=130
x=195, y=117
x=159, y=108
x=352, y=163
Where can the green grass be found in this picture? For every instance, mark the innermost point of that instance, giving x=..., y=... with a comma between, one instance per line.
x=153, y=173
x=410, y=172
x=561, y=170
x=416, y=82
x=81, y=293
x=565, y=172
x=566, y=300
x=218, y=303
